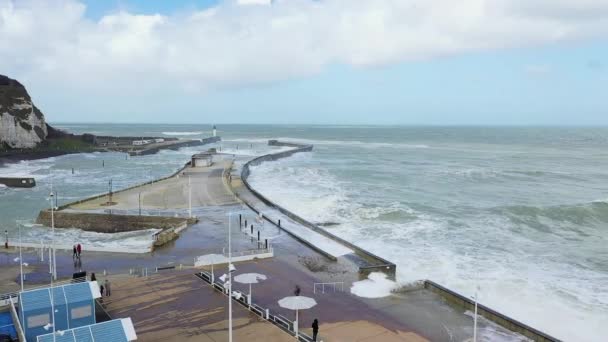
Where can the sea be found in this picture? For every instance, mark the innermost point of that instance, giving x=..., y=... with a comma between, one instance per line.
x=517, y=214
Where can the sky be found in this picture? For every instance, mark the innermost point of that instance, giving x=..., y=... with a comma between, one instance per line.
x=385, y=62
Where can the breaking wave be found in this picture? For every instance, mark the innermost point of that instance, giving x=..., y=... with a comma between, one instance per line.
x=183, y=133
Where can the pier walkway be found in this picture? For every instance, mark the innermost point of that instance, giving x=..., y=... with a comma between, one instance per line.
x=172, y=193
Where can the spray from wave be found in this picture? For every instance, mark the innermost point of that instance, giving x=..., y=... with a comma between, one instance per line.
x=182, y=133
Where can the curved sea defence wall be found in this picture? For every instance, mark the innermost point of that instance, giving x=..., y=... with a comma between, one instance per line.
x=375, y=263
x=465, y=303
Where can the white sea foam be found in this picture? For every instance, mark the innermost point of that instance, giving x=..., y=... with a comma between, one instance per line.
x=241, y=152
x=489, y=331
x=357, y=143
x=251, y=141
x=27, y=168
x=138, y=241
x=183, y=133
x=375, y=286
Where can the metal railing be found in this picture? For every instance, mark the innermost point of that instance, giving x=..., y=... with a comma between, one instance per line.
x=334, y=286
x=5, y=297
x=278, y=320
x=250, y=252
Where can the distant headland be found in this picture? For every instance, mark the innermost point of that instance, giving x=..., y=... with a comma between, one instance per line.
x=25, y=134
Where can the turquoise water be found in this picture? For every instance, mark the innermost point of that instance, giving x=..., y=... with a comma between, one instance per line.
x=520, y=212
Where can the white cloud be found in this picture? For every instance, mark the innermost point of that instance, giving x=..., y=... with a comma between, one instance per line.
x=254, y=2
x=233, y=44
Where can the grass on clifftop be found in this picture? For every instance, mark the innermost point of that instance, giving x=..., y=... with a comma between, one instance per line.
x=66, y=144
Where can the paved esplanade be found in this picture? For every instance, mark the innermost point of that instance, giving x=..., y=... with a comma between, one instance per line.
x=208, y=189
x=180, y=307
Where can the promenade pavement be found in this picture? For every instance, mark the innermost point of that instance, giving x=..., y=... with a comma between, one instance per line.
x=180, y=307
x=207, y=186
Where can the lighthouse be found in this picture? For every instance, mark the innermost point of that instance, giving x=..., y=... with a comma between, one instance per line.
x=214, y=131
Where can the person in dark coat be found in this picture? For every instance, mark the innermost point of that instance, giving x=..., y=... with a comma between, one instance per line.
x=297, y=291
x=315, y=329
x=93, y=278
x=74, y=252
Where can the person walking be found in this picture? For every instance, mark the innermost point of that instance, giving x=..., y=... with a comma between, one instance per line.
x=297, y=291
x=78, y=250
x=108, y=290
x=315, y=329
x=74, y=252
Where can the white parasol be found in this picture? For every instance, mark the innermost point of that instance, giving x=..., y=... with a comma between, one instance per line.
x=249, y=278
x=297, y=303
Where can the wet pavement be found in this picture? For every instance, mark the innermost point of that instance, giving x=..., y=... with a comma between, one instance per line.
x=180, y=307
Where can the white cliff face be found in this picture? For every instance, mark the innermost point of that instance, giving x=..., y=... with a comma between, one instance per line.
x=22, y=125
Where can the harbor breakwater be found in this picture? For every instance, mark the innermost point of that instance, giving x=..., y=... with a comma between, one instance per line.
x=374, y=263
x=169, y=226
x=175, y=146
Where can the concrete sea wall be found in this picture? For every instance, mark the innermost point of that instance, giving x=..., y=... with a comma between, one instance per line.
x=458, y=300
x=18, y=182
x=109, y=223
x=377, y=264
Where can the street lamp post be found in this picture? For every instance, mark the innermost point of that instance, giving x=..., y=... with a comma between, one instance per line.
x=54, y=260
x=475, y=316
x=189, y=198
x=20, y=259
x=229, y=279
x=110, y=192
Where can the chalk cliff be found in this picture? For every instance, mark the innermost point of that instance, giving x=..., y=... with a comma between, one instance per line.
x=22, y=125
